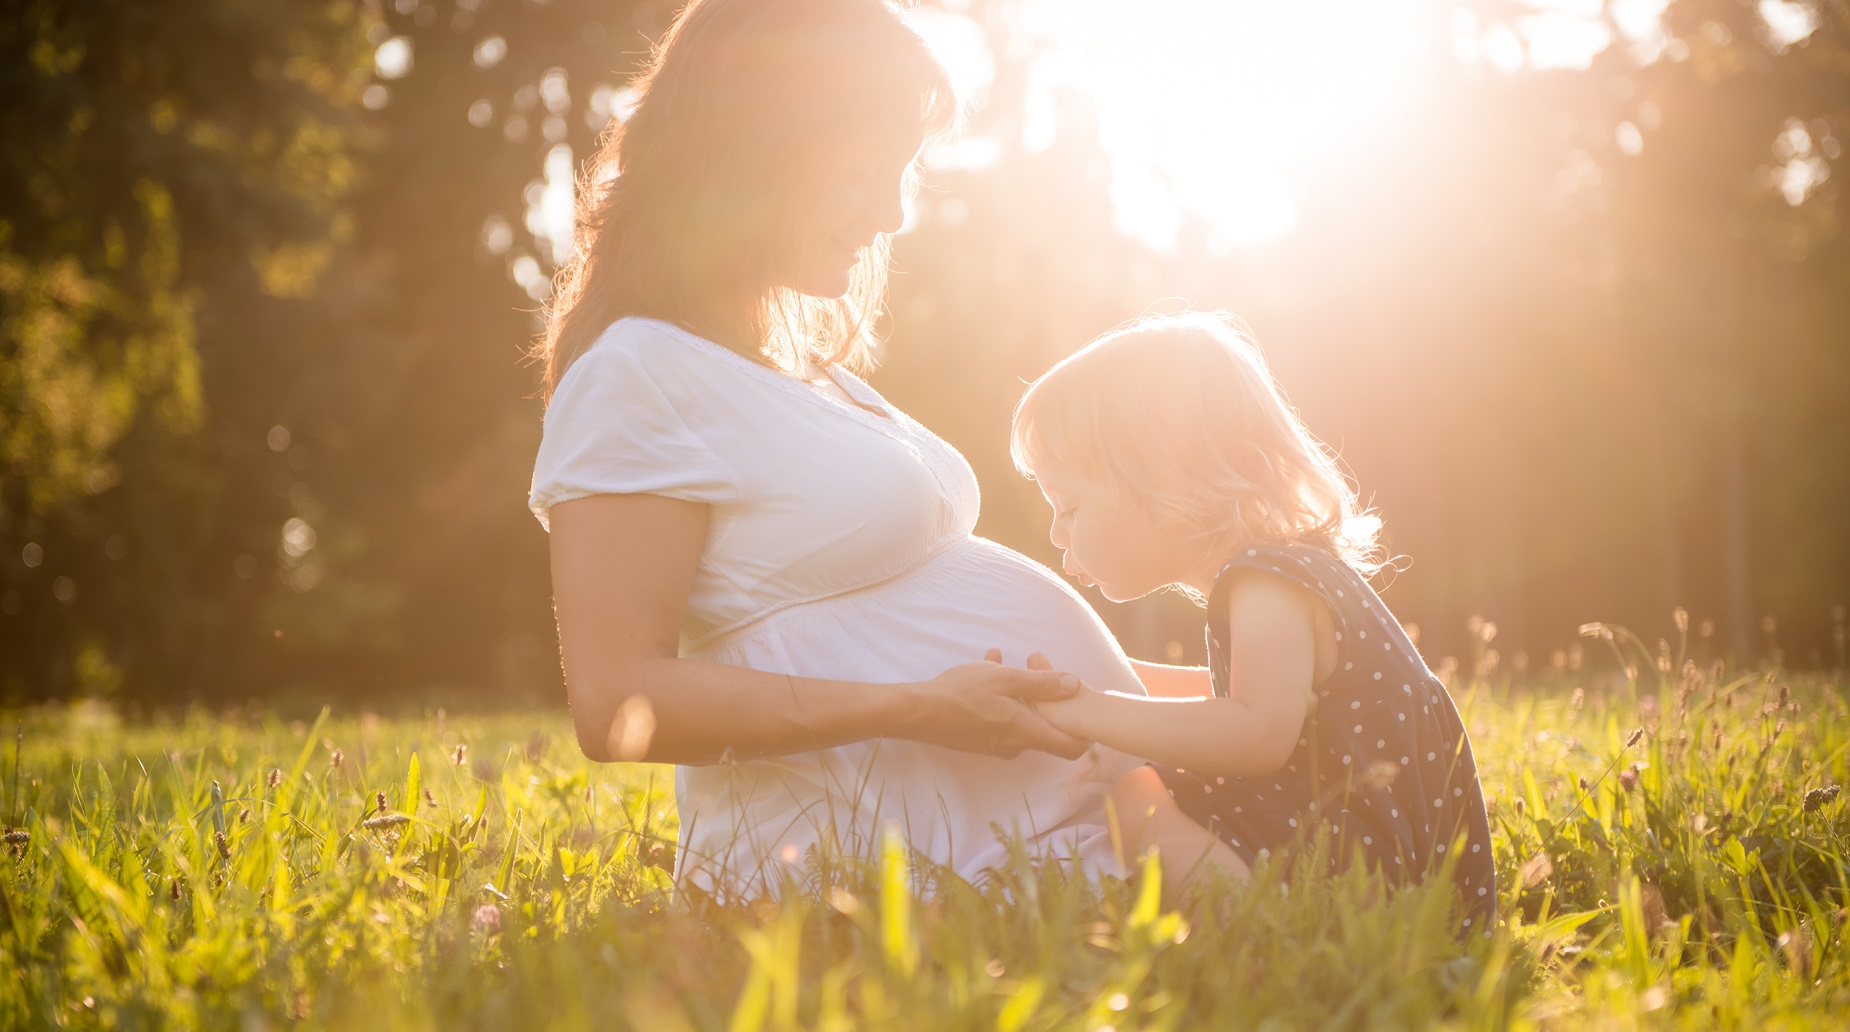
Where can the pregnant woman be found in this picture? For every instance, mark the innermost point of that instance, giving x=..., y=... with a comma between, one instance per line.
x=763, y=572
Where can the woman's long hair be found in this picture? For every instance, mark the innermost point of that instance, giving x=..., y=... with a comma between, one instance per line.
x=687, y=206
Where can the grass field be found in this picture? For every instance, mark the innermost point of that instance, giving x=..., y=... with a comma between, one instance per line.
x=245, y=871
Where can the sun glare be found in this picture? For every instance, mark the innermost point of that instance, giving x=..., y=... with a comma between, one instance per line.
x=1206, y=107
x=1215, y=112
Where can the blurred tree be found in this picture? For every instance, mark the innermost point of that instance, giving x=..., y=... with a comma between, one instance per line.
x=142, y=151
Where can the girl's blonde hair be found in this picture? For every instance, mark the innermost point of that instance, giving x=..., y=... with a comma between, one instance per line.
x=685, y=208
x=1180, y=412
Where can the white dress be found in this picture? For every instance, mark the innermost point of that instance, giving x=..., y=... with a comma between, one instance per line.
x=840, y=547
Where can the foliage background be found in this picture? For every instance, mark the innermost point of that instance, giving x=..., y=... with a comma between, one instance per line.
x=266, y=429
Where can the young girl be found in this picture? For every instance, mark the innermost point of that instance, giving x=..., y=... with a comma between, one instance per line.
x=1171, y=459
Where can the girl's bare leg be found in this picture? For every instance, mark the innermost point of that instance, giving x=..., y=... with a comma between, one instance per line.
x=1149, y=819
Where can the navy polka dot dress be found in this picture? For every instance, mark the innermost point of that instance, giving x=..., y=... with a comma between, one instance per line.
x=1382, y=763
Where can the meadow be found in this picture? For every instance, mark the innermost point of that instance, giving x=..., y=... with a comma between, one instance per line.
x=1672, y=847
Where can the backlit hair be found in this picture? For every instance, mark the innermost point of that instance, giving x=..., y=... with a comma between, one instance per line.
x=684, y=210
x=1180, y=413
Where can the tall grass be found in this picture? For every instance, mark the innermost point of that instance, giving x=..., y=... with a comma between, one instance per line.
x=1671, y=846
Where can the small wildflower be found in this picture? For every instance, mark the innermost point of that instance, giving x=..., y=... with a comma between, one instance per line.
x=1636, y=737
x=1628, y=778
x=486, y=920
x=223, y=847
x=336, y=758
x=429, y=798
x=1798, y=948
x=275, y=778
x=1518, y=805
x=1819, y=798
x=1583, y=783
x=1579, y=699
x=1536, y=870
x=173, y=889
x=1380, y=774
x=1681, y=618
x=390, y=820
x=460, y=755
x=244, y=816
x=380, y=805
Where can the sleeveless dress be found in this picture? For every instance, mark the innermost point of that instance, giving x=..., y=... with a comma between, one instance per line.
x=1383, y=763
x=840, y=546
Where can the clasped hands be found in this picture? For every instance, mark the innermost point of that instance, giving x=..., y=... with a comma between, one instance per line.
x=999, y=710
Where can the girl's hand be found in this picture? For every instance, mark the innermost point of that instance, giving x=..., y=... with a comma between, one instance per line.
x=1066, y=715
x=985, y=708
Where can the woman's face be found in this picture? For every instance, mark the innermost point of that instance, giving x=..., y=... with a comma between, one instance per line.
x=854, y=193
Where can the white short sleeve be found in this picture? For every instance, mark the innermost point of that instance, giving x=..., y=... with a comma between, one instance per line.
x=624, y=420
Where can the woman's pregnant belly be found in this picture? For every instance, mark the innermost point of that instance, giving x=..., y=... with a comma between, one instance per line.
x=745, y=824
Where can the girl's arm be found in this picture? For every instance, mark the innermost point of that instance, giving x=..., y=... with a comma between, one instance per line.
x=1173, y=682
x=1273, y=663
x=622, y=569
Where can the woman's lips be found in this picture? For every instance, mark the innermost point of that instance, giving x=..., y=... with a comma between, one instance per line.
x=1078, y=575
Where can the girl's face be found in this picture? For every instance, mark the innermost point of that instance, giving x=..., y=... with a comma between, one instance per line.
x=1109, y=540
x=854, y=193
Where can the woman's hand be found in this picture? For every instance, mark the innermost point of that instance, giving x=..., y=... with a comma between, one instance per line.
x=987, y=708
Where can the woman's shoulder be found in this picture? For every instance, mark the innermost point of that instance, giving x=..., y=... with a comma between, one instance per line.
x=639, y=359
x=652, y=345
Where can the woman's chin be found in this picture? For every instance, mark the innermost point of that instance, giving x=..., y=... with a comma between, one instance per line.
x=831, y=285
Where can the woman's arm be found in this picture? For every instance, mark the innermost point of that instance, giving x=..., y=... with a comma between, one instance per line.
x=622, y=569
x=1273, y=665
x=1173, y=682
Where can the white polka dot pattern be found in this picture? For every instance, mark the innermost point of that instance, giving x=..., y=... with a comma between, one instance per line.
x=1358, y=762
